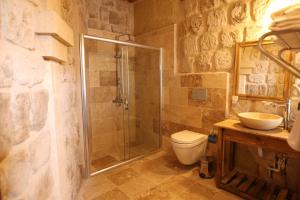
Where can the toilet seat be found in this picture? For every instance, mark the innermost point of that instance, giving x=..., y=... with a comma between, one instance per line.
x=188, y=137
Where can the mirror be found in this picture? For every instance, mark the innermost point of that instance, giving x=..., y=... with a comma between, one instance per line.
x=256, y=76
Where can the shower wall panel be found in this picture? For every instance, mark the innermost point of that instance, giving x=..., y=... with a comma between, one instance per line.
x=106, y=121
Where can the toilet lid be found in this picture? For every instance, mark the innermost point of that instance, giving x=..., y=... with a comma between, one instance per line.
x=188, y=137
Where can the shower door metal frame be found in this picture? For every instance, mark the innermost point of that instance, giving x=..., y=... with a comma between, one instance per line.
x=85, y=117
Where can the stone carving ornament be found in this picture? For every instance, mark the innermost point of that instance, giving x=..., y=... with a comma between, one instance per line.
x=208, y=41
x=216, y=18
x=196, y=23
x=190, y=45
x=229, y=37
x=209, y=4
x=258, y=8
x=203, y=61
x=223, y=59
x=238, y=13
x=190, y=6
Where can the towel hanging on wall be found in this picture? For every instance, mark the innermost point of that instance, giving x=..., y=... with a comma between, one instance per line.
x=294, y=137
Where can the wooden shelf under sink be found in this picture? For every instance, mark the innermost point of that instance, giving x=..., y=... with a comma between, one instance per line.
x=232, y=134
x=253, y=188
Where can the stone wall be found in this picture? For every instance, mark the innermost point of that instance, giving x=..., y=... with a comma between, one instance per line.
x=40, y=135
x=205, y=42
x=111, y=15
x=197, y=54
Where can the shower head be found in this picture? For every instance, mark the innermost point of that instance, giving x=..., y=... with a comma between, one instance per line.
x=125, y=38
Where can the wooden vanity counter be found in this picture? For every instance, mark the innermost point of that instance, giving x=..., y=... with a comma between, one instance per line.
x=235, y=125
x=230, y=132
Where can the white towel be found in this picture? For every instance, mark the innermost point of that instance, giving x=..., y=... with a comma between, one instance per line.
x=283, y=27
x=294, y=137
x=286, y=19
x=286, y=11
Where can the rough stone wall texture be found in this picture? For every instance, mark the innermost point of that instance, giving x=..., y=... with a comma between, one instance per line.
x=206, y=35
x=204, y=43
x=111, y=15
x=39, y=106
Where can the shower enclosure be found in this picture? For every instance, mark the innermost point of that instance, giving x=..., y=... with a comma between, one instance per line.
x=121, y=94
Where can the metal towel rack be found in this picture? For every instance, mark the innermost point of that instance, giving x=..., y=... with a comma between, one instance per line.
x=286, y=46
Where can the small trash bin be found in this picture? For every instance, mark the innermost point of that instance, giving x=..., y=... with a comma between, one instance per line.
x=206, y=167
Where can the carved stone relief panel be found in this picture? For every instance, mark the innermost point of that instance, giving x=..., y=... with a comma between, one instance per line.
x=223, y=59
x=208, y=41
x=196, y=24
x=258, y=8
x=203, y=62
x=229, y=37
x=190, y=45
x=238, y=13
x=209, y=4
x=190, y=6
x=216, y=18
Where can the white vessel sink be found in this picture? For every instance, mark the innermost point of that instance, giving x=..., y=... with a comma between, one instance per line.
x=260, y=121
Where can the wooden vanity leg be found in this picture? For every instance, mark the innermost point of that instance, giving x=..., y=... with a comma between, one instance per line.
x=220, y=157
x=228, y=155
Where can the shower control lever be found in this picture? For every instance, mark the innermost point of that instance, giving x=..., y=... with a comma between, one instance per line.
x=118, y=101
x=126, y=106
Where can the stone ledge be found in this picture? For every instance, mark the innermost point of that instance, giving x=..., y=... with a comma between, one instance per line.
x=50, y=23
x=52, y=49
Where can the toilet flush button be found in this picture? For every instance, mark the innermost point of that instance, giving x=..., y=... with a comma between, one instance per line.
x=199, y=94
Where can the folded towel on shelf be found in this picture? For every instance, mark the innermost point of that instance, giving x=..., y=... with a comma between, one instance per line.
x=282, y=27
x=286, y=19
x=294, y=137
x=290, y=10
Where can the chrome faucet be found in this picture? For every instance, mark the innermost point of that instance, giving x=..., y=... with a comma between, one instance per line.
x=287, y=113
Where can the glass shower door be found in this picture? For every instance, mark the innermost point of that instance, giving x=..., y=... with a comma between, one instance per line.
x=104, y=111
x=121, y=86
x=143, y=86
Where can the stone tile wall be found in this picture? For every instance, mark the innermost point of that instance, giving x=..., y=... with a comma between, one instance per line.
x=197, y=54
x=204, y=42
x=111, y=15
x=40, y=139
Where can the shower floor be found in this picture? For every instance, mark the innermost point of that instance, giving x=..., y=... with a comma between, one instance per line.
x=104, y=162
x=158, y=176
x=111, y=160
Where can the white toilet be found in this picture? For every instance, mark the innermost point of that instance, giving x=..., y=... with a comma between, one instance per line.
x=189, y=146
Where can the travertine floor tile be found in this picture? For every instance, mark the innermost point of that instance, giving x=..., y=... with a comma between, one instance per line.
x=158, y=193
x=95, y=186
x=122, y=176
x=156, y=177
x=137, y=186
x=198, y=192
x=114, y=194
x=177, y=185
x=193, y=174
